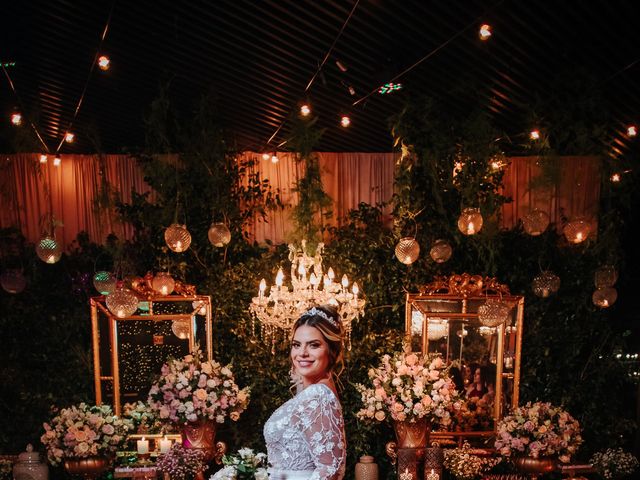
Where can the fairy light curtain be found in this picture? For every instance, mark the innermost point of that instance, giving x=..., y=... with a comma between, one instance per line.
x=349, y=178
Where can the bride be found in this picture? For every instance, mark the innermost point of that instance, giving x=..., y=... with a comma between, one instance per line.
x=305, y=436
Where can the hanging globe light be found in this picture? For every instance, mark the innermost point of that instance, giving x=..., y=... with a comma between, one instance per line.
x=577, y=231
x=219, y=234
x=177, y=237
x=437, y=330
x=470, y=221
x=48, y=250
x=104, y=282
x=122, y=303
x=440, y=251
x=604, y=297
x=493, y=313
x=535, y=222
x=163, y=283
x=606, y=276
x=407, y=250
x=180, y=329
x=545, y=284
x=13, y=281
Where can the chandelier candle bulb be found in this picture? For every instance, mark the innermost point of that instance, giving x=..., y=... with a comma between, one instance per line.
x=143, y=446
x=345, y=281
x=433, y=475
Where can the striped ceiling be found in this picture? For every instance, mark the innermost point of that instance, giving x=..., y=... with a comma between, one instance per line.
x=259, y=55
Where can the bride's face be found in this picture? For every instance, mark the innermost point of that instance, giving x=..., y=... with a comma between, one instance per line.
x=310, y=354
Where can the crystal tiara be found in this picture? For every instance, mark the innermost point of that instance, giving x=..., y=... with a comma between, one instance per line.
x=316, y=311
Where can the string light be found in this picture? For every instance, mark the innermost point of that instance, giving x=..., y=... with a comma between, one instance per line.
x=43, y=158
x=274, y=158
x=345, y=121
x=16, y=119
x=266, y=156
x=305, y=110
x=485, y=32
x=69, y=137
x=104, y=63
x=632, y=131
x=615, y=177
x=57, y=161
x=534, y=135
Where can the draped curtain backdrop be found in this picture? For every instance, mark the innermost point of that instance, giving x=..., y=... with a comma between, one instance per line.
x=75, y=190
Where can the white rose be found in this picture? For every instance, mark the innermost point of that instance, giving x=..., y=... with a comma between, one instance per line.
x=261, y=474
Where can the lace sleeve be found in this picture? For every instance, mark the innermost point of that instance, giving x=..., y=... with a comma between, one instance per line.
x=319, y=419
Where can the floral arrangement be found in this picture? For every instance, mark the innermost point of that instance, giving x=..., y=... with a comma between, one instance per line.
x=82, y=431
x=142, y=417
x=245, y=465
x=614, y=463
x=181, y=463
x=539, y=430
x=475, y=413
x=190, y=389
x=464, y=465
x=407, y=386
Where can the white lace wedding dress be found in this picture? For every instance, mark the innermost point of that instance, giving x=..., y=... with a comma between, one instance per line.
x=305, y=437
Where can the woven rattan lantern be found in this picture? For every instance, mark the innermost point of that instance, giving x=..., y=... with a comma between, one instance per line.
x=177, y=237
x=219, y=234
x=535, y=222
x=604, y=297
x=493, y=313
x=577, y=231
x=606, y=276
x=545, y=284
x=104, y=282
x=48, y=250
x=407, y=250
x=122, y=303
x=470, y=221
x=180, y=329
x=13, y=281
x=440, y=251
x=163, y=283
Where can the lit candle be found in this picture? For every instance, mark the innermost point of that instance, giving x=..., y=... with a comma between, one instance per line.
x=433, y=475
x=143, y=446
x=165, y=445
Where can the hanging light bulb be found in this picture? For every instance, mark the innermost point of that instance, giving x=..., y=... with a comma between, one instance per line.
x=485, y=32
x=163, y=283
x=534, y=134
x=615, y=178
x=104, y=282
x=274, y=158
x=407, y=250
x=632, y=131
x=545, y=284
x=57, y=161
x=577, y=231
x=16, y=119
x=177, y=237
x=13, y=281
x=48, y=250
x=122, y=303
x=43, y=158
x=440, y=251
x=219, y=234
x=305, y=110
x=104, y=62
x=470, y=221
x=345, y=121
x=535, y=222
x=69, y=137
x=604, y=297
x=266, y=156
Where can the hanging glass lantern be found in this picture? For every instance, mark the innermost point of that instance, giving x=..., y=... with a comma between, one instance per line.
x=407, y=250
x=535, y=222
x=606, y=276
x=219, y=234
x=545, y=284
x=48, y=250
x=440, y=251
x=163, y=283
x=577, y=231
x=437, y=330
x=13, y=281
x=604, y=297
x=180, y=329
x=104, y=282
x=493, y=313
x=122, y=303
x=177, y=237
x=470, y=221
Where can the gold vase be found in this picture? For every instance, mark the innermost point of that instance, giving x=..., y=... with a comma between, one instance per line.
x=534, y=466
x=413, y=434
x=201, y=435
x=89, y=467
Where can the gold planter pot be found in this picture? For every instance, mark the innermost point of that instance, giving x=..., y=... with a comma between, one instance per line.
x=412, y=434
x=534, y=466
x=89, y=467
x=201, y=435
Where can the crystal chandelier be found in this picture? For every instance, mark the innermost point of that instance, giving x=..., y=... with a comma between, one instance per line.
x=278, y=308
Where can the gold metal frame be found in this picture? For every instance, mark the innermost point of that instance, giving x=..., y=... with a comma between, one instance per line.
x=98, y=305
x=467, y=288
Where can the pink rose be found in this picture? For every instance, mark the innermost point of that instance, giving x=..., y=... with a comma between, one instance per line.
x=411, y=359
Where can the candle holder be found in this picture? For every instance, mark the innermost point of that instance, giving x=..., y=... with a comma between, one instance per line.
x=144, y=458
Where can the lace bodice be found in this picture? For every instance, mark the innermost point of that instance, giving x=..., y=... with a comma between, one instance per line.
x=307, y=433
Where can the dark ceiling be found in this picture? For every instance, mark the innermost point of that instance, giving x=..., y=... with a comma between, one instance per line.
x=258, y=56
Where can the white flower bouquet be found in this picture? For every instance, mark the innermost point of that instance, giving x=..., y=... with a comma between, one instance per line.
x=245, y=465
x=190, y=389
x=614, y=463
x=82, y=431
